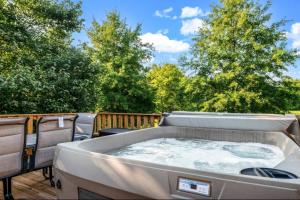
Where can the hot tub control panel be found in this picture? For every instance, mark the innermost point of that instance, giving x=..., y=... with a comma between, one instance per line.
x=193, y=186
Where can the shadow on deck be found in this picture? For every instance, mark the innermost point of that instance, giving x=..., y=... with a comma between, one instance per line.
x=31, y=186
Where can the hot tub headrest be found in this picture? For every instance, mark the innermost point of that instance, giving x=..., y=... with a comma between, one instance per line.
x=241, y=121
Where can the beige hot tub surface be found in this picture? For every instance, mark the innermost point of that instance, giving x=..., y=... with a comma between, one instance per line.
x=84, y=166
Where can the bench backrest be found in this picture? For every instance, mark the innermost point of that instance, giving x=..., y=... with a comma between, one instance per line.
x=12, y=144
x=85, y=124
x=51, y=131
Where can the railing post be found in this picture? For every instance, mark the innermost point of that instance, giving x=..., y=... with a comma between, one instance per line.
x=132, y=121
x=103, y=121
x=30, y=125
x=108, y=121
x=151, y=121
x=120, y=123
x=145, y=122
x=98, y=122
x=138, y=122
x=126, y=121
x=115, y=121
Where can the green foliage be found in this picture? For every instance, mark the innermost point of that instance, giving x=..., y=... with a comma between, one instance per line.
x=168, y=83
x=39, y=70
x=69, y=84
x=240, y=58
x=18, y=94
x=119, y=53
x=296, y=112
x=294, y=88
x=196, y=90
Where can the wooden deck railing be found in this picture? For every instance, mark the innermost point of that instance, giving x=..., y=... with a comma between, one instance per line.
x=127, y=120
x=103, y=120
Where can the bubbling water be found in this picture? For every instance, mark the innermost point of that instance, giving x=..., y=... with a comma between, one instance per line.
x=205, y=155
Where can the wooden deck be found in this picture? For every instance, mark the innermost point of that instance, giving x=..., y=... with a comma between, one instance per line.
x=31, y=186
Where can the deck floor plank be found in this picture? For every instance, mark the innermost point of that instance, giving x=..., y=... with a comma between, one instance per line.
x=31, y=186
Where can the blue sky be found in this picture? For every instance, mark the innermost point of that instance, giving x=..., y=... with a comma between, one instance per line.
x=170, y=24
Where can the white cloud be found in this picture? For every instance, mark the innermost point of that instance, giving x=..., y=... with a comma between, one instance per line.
x=162, y=43
x=167, y=10
x=163, y=31
x=296, y=44
x=158, y=14
x=295, y=35
x=191, y=26
x=188, y=12
x=164, y=12
x=296, y=28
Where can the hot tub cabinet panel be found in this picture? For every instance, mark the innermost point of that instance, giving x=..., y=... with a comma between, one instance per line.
x=84, y=170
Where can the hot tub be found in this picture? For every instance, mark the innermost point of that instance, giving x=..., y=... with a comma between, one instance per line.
x=190, y=155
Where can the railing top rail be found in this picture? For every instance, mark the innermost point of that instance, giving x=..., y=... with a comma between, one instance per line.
x=105, y=113
x=140, y=114
x=25, y=115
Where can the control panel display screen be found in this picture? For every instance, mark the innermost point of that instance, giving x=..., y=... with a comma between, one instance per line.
x=194, y=186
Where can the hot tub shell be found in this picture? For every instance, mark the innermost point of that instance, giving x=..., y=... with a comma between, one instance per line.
x=83, y=168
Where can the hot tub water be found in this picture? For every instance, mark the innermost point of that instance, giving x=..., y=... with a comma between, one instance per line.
x=206, y=155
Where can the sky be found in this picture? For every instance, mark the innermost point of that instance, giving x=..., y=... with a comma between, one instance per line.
x=171, y=24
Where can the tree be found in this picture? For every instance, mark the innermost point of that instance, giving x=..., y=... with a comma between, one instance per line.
x=68, y=83
x=195, y=90
x=39, y=69
x=293, y=86
x=119, y=53
x=241, y=57
x=168, y=83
